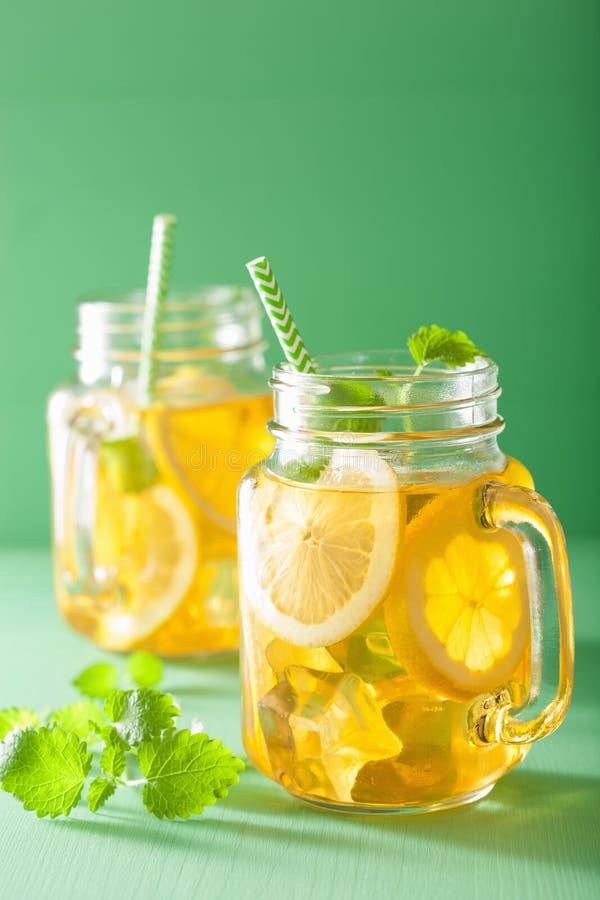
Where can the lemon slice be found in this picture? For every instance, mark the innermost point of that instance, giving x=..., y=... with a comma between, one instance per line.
x=459, y=621
x=148, y=539
x=318, y=559
x=204, y=449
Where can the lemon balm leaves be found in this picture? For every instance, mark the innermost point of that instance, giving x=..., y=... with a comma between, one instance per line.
x=434, y=344
x=112, y=758
x=140, y=715
x=98, y=793
x=303, y=470
x=16, y=718
x=145, y=669
x=356, y=396
x=45, y=768
x=186, y=772
x=97, y=681
x=101, y=679
x=83, y=718
x=46, y=764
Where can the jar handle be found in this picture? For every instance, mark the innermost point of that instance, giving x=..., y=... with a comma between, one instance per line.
x=92, y=422
x=533, y=521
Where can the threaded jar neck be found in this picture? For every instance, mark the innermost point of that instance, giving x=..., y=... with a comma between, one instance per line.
x=376, y=397
x=220, y=322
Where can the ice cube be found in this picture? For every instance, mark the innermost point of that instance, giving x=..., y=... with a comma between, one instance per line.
x=321, y=729
x=420, y=718
x=274, y=712
x=423, y=773
x=281, y=654
x=424, y=769
x=392, y=690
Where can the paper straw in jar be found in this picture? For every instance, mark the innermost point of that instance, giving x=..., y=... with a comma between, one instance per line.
x=279, y=314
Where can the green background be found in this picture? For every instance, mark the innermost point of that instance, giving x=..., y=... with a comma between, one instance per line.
x=398, y=162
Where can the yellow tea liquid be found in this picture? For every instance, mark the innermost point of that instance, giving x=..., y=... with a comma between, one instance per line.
x=164, y=540
x=379, y=718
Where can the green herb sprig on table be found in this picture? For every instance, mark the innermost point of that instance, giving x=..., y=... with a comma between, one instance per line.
x=110, y=740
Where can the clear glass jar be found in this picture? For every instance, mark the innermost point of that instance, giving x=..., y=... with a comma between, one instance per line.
x=406, y=608
x=143, y=496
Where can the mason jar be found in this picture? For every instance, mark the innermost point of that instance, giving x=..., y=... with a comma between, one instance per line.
x=406, y=609
x=143, y=494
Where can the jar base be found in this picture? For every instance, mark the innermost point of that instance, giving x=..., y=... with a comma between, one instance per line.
x=366, y=809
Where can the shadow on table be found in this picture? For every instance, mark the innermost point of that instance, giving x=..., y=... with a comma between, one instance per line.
x=217, y=673
x=514, y=821
x=534, y=816
x=518, y=818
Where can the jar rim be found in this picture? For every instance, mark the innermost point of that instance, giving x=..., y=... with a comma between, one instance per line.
x=195, y=323
x=125, y=307
x=367, y=365
x=372, y=394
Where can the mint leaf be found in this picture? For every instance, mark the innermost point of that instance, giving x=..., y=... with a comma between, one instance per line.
x=352, y=393
x=140, y=715
x=128, y=465
x=99, y=792
x=302, y=470
x=186, y=772
x=432, y=343
x=16, y=717
x=111, y=736
x=112, y=759
x=45, y=769
x=145, y=669
x=83, y=718
x=97, y=680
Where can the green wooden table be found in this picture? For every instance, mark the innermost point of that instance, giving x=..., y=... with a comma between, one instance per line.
x=536, y=835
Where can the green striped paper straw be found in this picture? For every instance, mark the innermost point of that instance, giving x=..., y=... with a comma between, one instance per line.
x=279, y=314
x=157, y=287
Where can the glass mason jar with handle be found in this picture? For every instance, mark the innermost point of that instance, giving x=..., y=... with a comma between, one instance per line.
x=143, y=498
x=405, y=599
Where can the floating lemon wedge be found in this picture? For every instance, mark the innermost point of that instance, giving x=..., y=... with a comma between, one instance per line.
x=148, y=539
x=318, y=559
x=459, y=619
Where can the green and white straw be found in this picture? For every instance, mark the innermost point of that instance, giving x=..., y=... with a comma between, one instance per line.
x=157, y=288
x=279, y=314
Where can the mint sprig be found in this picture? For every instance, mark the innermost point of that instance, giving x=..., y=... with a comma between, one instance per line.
x=434, y=344
x=45, y=769
x=47, y=763
x=17, y=717
x=97, y=681
x=141, y=715
x=99, y=791
x=185, y=772
x=112, y=759
x=144, y=669
x=82, y=718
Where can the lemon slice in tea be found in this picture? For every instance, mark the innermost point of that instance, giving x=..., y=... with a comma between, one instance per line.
x=459, y=619
x=148, y=538
x=318, y=558
x=204, y=448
